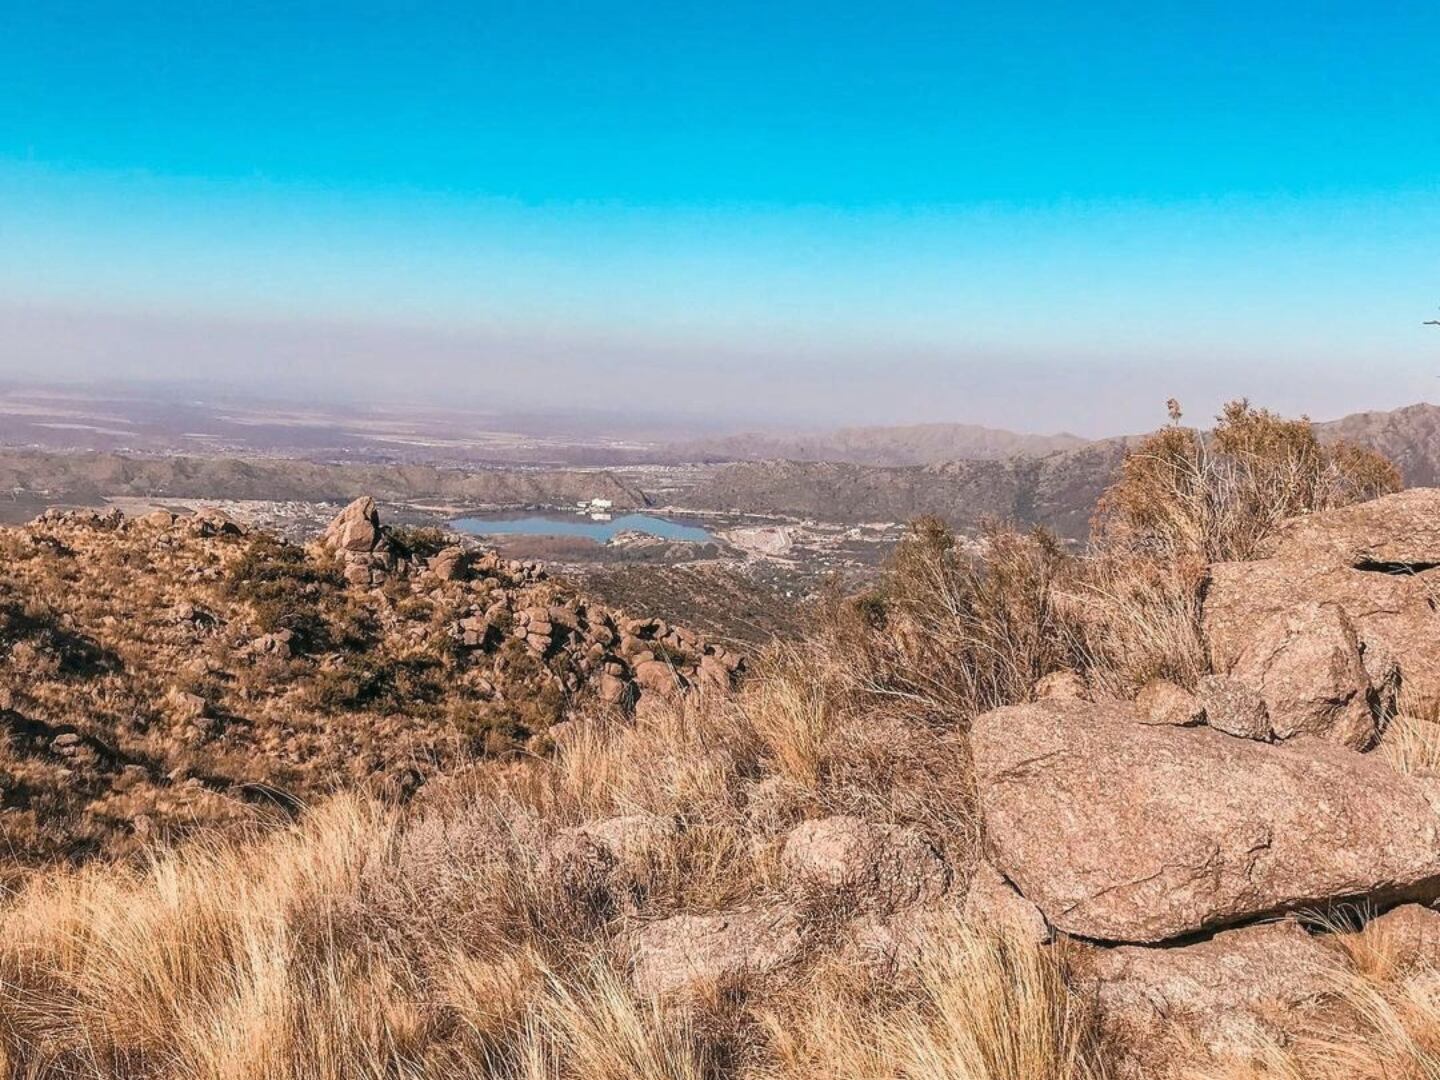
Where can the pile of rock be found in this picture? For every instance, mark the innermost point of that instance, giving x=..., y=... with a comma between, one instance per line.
x=1172, y=831
x=361, y=545
x=623, y=658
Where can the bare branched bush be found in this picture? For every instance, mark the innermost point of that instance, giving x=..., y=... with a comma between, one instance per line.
x=1183, y=492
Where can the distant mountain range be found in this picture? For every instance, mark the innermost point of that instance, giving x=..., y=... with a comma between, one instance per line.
x=1057, y=489
x=915, y=444
x=961, y=472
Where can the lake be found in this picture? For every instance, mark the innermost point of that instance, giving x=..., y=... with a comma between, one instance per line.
x=580, y=525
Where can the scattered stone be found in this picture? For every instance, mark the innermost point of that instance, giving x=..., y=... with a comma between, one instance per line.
x=1411, y=932
x=659, y=677
x=688, y=954
x=879, y=867
x=1063, y=685
x=1228, y=993
x=449, y=564
x=991, y=901
x=188, y=706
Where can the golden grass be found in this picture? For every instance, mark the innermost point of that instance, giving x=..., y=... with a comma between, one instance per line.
x=469, y=935
x=980, y=1005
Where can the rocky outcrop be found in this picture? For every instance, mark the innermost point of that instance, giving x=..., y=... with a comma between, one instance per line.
x=1378, y=562
x=360, y=544
x=1126, y=832
x=627, y=659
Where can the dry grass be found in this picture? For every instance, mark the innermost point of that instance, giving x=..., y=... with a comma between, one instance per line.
x=985, y=1006
x=468, y=934
x=1411, y=744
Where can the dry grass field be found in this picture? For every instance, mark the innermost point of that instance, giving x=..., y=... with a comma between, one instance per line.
x=474, y=930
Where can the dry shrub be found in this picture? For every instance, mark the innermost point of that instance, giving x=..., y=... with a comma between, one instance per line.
x=949, y=635
x=1185, y=499
x=1135, y=619
x=1185, y=493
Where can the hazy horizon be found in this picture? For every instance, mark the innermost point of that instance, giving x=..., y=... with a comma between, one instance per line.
x=1038, y=220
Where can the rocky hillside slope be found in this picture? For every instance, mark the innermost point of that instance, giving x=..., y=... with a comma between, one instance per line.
x=1410, y=437
x=167, y=672
x=1232, y=878
x=1058, y=490
x=914, y=444
x=80, y=477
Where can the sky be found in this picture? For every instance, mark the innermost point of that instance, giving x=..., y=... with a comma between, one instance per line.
x=1036, y=216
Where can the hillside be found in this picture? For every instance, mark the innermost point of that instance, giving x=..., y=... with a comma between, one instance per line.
x=1410, y=437
x=915, y=444
x=1163, y=811
x=78, y=477
x=167, y=672
x=1058, y=491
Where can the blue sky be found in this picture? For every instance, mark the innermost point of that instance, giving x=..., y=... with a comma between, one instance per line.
x=1035, y=216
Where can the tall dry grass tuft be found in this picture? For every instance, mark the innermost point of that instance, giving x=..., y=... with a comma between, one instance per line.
x=984, y=1006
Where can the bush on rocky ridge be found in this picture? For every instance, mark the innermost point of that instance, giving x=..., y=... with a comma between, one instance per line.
x=1217, y=495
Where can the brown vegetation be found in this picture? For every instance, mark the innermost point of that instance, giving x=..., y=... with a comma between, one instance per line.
x=489, y=927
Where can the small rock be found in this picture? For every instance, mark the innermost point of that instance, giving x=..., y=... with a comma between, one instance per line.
x=449, y=564
x=1061, y=684
x=881, y=867
x=1233, y=707
x=1412, y=931
x=686, y=954
x=992, y=901
x=1162, y=702
x=188, y=706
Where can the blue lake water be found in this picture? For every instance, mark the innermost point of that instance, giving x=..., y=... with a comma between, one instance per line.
x=581, y=525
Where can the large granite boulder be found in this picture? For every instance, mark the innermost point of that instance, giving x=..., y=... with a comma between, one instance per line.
x=1126, y=832
x=1378, y=561
x=1305, y=662
x=1397, y=533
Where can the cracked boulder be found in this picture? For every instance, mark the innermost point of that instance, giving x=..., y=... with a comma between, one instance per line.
x=1123, y=832
x=1305, y=661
